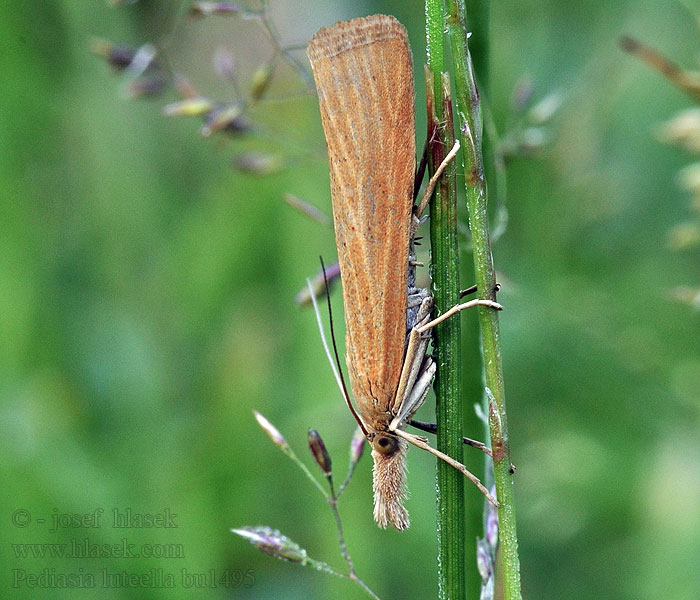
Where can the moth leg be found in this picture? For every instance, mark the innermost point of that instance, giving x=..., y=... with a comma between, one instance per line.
x=416, y=298
x=430, y=188
x=422, y=443
x=416, y=394
x=472, y=289
x=432, y=428
x=457, y=308
x=416, y=348
x=420, y=171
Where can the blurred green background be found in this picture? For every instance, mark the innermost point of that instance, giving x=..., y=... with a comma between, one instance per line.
x=147, y=307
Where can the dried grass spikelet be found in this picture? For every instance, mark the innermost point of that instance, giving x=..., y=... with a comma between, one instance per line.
x=389, y=485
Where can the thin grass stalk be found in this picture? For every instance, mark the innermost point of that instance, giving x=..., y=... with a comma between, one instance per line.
x=447, y=335
x=472, y=359
x=479, y=13
x=470, y=126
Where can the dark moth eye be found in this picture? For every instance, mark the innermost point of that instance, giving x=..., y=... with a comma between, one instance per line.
x=385, y=444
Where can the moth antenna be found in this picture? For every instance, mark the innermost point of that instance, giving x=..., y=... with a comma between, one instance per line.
x=323, y=335
x=335, y=364
x=335, y=350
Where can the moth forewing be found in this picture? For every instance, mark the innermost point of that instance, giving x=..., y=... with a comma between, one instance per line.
x=364, y=76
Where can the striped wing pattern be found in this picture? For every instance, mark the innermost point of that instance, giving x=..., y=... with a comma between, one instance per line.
x=364, y=76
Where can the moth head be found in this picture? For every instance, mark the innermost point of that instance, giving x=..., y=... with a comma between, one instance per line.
x=385, y=443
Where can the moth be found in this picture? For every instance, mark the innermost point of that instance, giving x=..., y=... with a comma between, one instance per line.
x=364, y=76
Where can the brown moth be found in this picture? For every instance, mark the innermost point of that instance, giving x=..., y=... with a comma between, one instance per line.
x=364, y=76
